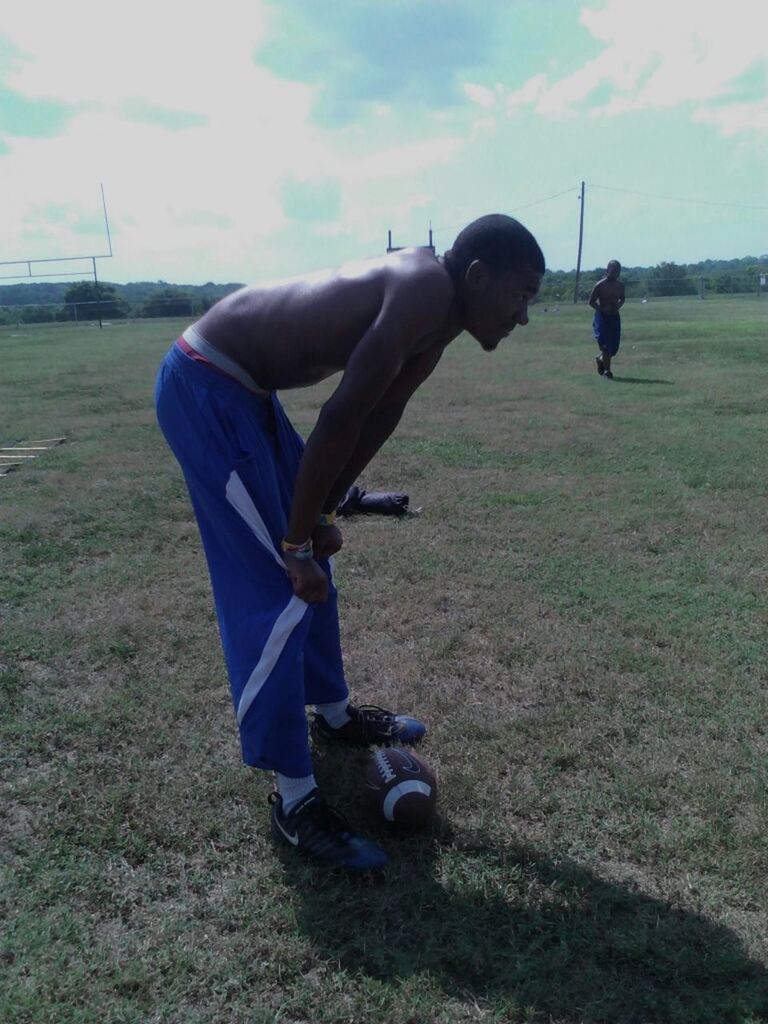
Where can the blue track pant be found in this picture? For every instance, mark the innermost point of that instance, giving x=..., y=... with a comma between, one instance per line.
x=607, y=331
x=240, y=455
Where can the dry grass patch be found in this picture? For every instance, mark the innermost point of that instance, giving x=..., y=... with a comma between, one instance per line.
x=578, y=613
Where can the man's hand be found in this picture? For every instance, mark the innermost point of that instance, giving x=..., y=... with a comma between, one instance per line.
x=308, y=580
x=326, y=541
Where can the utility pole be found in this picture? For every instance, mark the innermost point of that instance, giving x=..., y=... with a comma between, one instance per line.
x=578, y=258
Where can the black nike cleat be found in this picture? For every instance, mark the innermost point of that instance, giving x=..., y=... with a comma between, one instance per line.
x=371, y=725
x=321, y=832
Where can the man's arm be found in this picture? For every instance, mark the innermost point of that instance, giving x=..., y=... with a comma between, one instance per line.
x=594, y=296
x=622, y=296
x=382, y=421
x=413, y=308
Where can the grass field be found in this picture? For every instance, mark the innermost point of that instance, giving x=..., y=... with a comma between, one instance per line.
x=579, y=613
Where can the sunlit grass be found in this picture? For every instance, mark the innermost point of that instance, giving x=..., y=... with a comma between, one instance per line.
x=578, y=613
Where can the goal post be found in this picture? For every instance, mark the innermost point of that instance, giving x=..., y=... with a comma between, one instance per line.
x=30, y=275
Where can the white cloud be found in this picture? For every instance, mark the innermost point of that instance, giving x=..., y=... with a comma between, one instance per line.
x=86, y=51
x=195, y=140
x=393, y=161
x=735, y=118
x=480, y=94
x=659, y=54
x=168, y=190
x=529, y=93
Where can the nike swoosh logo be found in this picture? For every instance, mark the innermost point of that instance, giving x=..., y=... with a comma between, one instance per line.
x=292, y=839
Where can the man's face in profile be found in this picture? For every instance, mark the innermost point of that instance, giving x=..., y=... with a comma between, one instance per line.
x=497, y=301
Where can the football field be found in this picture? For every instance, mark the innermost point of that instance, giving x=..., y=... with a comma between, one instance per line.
x=578, y=612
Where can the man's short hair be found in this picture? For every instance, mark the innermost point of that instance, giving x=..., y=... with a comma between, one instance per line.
x=500, y=242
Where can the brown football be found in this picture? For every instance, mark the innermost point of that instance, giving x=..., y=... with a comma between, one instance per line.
x=401, y=786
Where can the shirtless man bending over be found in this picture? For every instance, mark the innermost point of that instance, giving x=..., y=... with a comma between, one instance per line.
x=265, y=502
x=607, y=298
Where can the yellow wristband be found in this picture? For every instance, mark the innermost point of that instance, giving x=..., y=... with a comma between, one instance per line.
x=304, y=549
x=326, y=519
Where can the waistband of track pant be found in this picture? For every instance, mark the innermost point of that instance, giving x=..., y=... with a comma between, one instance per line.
x=201, y=345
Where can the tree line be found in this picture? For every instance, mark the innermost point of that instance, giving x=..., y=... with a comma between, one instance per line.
x=720, y=277
x=87, y=300
x=44, y=302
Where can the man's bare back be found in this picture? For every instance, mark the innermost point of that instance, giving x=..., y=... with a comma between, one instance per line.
x=297, y=332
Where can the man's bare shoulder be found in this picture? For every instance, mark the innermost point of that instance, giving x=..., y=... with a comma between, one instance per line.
x=417, y=275
x=417, y=264
x=403, y=281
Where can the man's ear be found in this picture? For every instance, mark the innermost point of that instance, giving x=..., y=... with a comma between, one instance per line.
x=476, y=275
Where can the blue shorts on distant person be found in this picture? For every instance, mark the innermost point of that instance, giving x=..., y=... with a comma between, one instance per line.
x=240, y=455
x=607, y=331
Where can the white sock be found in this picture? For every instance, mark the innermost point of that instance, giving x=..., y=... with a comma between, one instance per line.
x=293, y=790
x=336, y=714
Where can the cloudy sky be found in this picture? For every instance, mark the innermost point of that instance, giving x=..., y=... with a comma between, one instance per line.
x=253, y=138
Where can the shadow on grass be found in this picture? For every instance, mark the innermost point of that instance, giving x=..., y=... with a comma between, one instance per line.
x=640, y=380
x=488, y=918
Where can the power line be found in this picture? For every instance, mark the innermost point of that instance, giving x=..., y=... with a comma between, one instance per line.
x=626, y=191
x=515, y=209
x=607, y=188
x=557, y=195
x=679, y=199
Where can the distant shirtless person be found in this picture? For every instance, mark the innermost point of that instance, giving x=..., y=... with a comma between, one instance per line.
x=265, y=502
x=607, y=298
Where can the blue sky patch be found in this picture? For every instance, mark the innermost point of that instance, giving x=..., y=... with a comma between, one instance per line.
x=363, y=54
x=32, y=119
x=163, y=117
x=318, y=201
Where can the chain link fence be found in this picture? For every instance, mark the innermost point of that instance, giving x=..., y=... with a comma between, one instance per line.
x=559, y=287
x=109, y=309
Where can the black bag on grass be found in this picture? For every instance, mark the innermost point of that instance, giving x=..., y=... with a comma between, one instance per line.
x=382, y=503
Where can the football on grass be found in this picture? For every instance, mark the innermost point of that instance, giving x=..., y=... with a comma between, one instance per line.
x=401, y=786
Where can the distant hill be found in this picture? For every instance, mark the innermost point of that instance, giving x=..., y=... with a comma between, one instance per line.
x=45, y=293
x=45, y=301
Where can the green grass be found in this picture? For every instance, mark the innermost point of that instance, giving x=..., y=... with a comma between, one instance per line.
x=579, y=612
